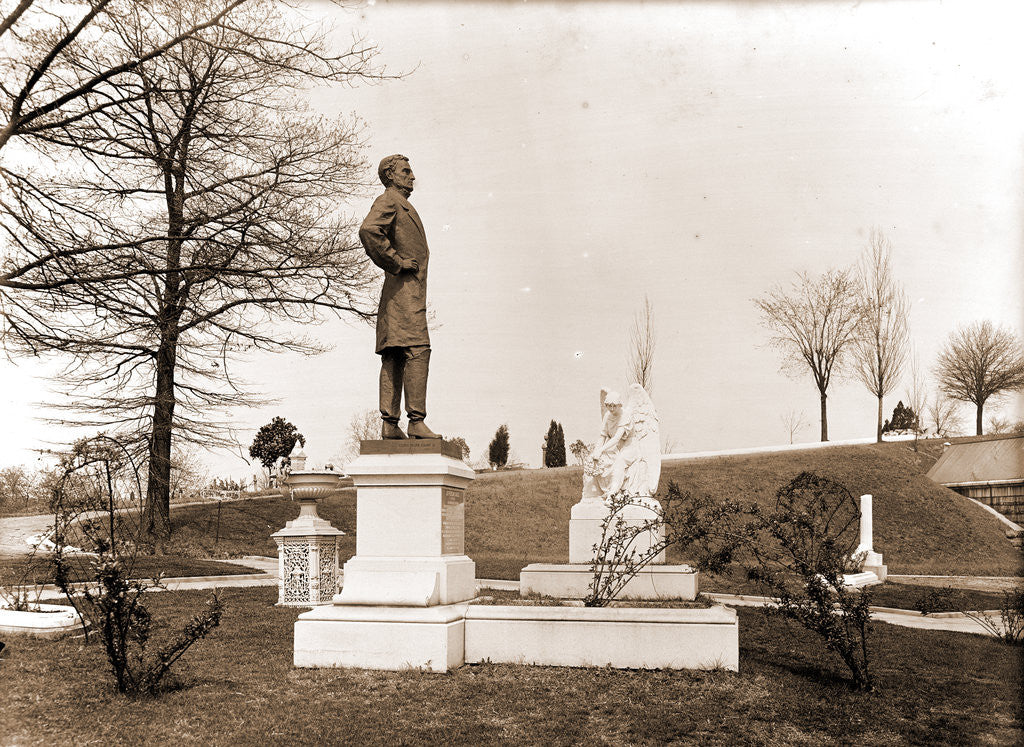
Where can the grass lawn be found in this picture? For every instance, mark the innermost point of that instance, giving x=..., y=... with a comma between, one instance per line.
x=238, y=687
x=902, y=596
x=37, y=568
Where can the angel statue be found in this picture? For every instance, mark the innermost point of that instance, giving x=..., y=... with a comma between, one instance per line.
x=628, y=456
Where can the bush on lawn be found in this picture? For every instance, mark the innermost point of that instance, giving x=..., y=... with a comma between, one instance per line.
x=101, y=472
x=1006, y=623
x=799, y=551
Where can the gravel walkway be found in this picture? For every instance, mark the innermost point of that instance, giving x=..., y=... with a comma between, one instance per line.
x=15, y=529
x=975, y=583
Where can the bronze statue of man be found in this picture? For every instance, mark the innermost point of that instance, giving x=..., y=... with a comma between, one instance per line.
x=393, y=237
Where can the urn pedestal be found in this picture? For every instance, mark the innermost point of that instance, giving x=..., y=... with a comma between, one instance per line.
x=307, y=546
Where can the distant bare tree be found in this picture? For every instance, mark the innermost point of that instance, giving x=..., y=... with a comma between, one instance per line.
x=580, y=450
x=917, y=393
x=999, y=424
x=794, y=422
x=641, y=347
x=813, y=323
x=881, y=348
x=980, y=362
x=188, y=473
x=364, y=426
x=20, y=488
x=671, y=444
x=165, y=231
x=943, y=415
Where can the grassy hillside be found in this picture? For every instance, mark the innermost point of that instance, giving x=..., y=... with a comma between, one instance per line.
x=244, y=527
x=521, y=517
x=919, y=527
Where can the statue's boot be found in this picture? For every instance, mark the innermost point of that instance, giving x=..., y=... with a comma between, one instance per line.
x=417, y=363
x=391, y=431
x=419, y=429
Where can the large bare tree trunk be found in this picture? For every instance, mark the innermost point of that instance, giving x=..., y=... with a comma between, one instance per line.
x=878, y=427
x=978, y=424
x=824, y=417
x=157, y=517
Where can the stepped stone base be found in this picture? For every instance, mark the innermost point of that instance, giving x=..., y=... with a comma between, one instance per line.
x=882, y=571
x=572, y=581
x=443, y=637
x=599, y=637
x=391, y=638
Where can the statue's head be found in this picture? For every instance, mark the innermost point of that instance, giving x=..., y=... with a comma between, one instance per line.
x=613, y=400
x=395, y=171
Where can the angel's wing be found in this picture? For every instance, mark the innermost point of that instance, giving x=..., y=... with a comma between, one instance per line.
x=604, y=393
x=646, y=433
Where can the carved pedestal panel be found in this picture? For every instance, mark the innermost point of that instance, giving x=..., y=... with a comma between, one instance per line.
x=309, y=570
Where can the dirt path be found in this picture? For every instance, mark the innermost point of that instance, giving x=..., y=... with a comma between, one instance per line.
x=14, y=530
x=976, y=583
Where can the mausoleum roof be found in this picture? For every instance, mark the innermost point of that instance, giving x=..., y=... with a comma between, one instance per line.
x=990, y=460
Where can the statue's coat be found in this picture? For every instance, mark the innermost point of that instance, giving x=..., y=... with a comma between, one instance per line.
x=393, y=230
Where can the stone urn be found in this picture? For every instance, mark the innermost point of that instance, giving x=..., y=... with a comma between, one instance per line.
x=307, y=547
x=308, y=487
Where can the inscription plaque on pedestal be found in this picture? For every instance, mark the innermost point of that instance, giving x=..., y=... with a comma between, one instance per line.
x=453, y=522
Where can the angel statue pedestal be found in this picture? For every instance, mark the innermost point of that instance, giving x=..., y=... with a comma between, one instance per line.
x=618, y=522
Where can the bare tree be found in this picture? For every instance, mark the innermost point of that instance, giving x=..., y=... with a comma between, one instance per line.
x=943, y=415
x=813, y=323
x=999, y=424
x=641, y=347
x=881, y=348
x=364, y=426
x=188, y=474
x=980, y=362
x=917, y=393
x=794, y=422
x=670, y=445
x=198, y=207
x=48, y=81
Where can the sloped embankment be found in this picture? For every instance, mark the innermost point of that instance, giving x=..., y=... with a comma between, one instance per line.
x=515, y=518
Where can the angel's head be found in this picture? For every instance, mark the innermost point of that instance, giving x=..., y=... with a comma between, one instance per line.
x=613, y=401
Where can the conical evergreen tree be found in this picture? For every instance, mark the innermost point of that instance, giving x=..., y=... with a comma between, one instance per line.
x=903, y=419
x=497, y=452
x=554, y=456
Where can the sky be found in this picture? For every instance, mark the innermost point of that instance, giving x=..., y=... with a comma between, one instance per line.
x=572, y=158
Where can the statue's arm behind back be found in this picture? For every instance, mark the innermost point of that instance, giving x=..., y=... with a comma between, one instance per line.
x=373, y=233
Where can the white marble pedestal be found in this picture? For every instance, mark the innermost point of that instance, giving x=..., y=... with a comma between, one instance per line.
x=399, y=604
x=657, y=580
x=405, y=599
x=585, y=529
